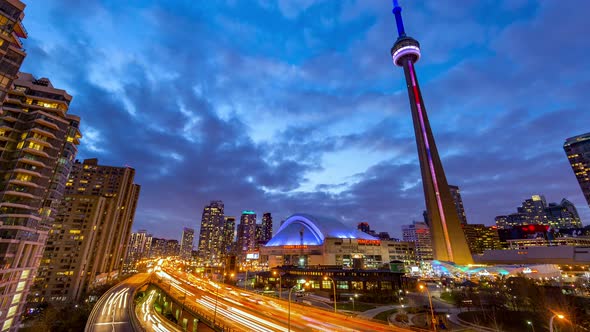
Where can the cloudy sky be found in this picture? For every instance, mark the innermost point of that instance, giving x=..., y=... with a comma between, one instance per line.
x=294, y=105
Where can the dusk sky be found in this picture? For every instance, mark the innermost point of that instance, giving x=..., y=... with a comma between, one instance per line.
x=295, y=106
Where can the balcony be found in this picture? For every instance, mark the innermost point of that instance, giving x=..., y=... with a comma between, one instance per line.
x=23, y=183
x=46, y=123
x=37, y=152
x=43, y=132
x=30, y=161
x=18, y=205
x=28, y=171
x=18, y=194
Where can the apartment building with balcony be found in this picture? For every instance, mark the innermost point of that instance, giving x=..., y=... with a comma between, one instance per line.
x=38, y=145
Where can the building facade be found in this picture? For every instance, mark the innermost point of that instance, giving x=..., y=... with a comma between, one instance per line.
x=325, y=241
x=536, y=211
x=266, y=228
x=210, y=235
x=419, y=234
x=158, y=248
x=229, y=229
x=577, y=150
x=12, y=52
x=481, y=237
x=138, y=249
x=456, y=195
x=246, y=239
x=172, y=248
x=94, y=221
x=563, y=215
x=186, y=243
x=38, y=144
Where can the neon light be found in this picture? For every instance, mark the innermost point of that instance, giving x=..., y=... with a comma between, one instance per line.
x=410, y=49
x=430, y=162
x=369, y=242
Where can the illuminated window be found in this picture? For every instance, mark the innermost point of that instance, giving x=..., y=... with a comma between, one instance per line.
x=23, y=177
x=35, y=146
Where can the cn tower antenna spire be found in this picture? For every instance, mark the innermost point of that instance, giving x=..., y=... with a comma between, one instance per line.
x=397, y=11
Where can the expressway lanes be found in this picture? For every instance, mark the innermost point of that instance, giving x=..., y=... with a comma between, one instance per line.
x=268, y=314
x=150, y=319
x=112, y=312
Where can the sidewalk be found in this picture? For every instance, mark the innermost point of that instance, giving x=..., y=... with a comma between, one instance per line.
x=371, y=313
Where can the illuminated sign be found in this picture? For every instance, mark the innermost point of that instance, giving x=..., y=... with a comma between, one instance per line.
x=369, y=242
x=295, y=246
x=252, y=255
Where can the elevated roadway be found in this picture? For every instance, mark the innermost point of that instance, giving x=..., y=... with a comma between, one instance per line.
x=114, y=311
x=239, y=310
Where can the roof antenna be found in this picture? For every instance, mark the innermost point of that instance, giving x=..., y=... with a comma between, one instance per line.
x=397, y=11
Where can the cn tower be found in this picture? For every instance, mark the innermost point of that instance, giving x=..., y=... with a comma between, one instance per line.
x=448, y=239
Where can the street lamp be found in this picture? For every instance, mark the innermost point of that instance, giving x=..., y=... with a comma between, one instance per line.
x=289, y=310
x=280, y=282
x=531, y=324
x=352, y=299
x=216, y=300
x=431, y=309
x=560, y=316
x=333, y=285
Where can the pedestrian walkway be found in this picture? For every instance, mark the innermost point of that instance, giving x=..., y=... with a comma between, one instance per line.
x=371, y=313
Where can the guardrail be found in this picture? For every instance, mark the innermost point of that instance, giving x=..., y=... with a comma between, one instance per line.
x=94, y=311
x=206, y=318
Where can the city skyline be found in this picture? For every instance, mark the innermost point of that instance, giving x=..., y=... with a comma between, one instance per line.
x=228, y=137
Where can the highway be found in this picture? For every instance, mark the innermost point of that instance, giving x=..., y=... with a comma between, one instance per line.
x=113, y=311
x=151, y=320
x=240, y=310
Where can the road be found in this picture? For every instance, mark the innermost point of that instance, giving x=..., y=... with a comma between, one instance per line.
x=150, y=319
x=112, y=312
x=241, y=310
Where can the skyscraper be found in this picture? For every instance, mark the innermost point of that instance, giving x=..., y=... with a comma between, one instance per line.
x=419, y=233
x=536, y=211
x=448, y=240
x=186, y=244
x=456, y=195
x=94, y=221
x=481, y=237
x=38, y=142
x=229, y=228
x=577, y=150
x=210, y=236
x=563, y=215
x=12, y=53
x=246, y=233
x=266, y=228
x=172, y=248
x=139, y=246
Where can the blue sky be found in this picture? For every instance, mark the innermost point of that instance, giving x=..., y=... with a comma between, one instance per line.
x=295, y=106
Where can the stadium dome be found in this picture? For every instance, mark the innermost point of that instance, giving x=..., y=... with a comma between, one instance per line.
x=315, y=230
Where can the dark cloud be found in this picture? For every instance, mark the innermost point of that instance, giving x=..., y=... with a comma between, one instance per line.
x=256, y=104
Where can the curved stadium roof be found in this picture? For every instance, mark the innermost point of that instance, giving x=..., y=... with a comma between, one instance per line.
x=315, y=230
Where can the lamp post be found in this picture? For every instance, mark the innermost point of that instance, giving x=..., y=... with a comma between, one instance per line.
x=246, y=280
x=431, y=309
x=216, y=300
x=280, y=282
x=531, y=324
x=560, y=316
x=333, y=285
x=352, y=299
x=289, y=310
